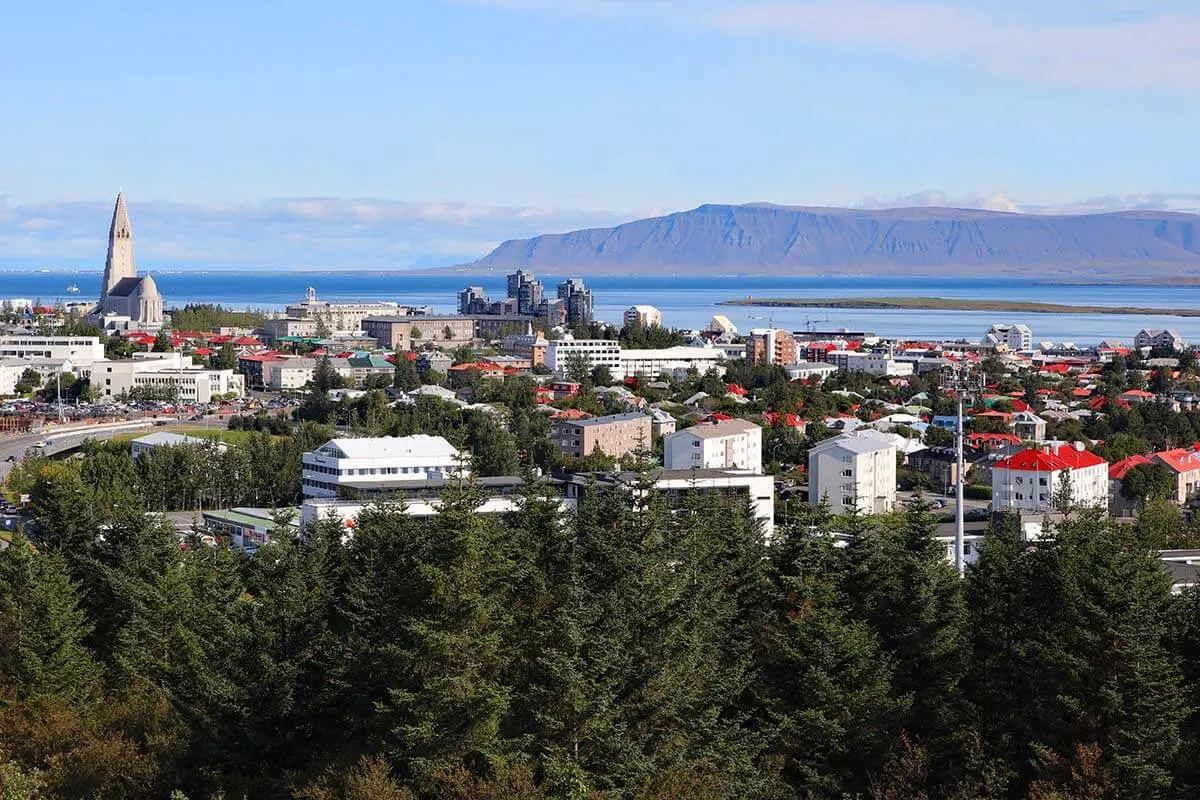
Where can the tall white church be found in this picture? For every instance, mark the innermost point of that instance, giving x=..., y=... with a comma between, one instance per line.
x=124, y=294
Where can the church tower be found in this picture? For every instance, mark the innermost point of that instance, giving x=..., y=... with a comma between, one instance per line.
x=120, y=263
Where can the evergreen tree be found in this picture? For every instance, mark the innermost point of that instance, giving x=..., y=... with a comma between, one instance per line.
x=405, y=376
x=226, y=357
x=829, y=692
x=901, y=584
x=42, y=628
x=449, y=710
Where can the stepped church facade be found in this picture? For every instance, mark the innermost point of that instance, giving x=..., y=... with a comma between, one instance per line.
x=127, y=300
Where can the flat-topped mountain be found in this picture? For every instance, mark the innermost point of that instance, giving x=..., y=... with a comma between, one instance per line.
x=784, y=240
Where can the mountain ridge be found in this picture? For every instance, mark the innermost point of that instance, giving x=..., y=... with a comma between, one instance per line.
x=765, y=238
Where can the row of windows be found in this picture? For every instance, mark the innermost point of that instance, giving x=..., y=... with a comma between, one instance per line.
x=369, y=470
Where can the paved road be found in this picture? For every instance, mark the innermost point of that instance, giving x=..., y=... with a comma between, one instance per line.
x=17, y=445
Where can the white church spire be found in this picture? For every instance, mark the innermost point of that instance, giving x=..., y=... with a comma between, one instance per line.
x=119, y=263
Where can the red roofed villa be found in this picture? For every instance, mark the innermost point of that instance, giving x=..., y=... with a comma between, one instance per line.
x=1029, y=480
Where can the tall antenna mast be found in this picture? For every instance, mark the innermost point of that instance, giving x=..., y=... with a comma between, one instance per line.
x=962, y=383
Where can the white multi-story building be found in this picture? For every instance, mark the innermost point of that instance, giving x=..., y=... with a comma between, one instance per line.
x=167, y=371
x=643, y=316
x=729, y=444
x=377, y=465
x=853, y=472
x=339, y=315
x=595, y=352
x=1014, y=337
x=806, y=370
x=879, y=364
x=293, y=374
x=1030, y=479
x=673, y=361
x=79, y=350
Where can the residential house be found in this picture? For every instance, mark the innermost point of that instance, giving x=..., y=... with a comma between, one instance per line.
x=1184, y=463
x=941, y=464
x=1118, y=504
x=1029, y=426
x=1030, y=479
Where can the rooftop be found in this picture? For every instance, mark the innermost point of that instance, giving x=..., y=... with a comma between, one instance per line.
x=418, y=445
x=587, y=423
x=716, y=430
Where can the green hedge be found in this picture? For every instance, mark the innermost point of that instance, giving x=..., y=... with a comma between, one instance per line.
x=977, y=491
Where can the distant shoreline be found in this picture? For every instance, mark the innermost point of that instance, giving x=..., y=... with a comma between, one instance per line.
x=955, y=304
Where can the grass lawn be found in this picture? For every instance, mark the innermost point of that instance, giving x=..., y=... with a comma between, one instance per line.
x=190, y=429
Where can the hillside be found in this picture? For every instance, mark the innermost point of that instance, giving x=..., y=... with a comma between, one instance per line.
x=768, y=239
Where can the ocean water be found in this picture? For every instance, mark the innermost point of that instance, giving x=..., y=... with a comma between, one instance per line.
x=685, y=301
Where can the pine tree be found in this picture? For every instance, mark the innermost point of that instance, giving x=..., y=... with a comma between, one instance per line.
x=829, y=692
x=405, y=375
x=42, y=628
x=450, y=709
x=901, y=584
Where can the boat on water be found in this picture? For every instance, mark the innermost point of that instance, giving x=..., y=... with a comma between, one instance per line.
x=72, y=289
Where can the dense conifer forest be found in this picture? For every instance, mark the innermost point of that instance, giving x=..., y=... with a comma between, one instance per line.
x=627, y=650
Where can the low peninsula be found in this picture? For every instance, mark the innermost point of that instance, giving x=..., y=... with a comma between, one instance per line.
x=954, y=304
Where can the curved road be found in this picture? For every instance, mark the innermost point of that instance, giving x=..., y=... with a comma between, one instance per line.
x=16, y=446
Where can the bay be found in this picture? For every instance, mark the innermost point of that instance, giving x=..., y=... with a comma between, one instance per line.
x=685, y=301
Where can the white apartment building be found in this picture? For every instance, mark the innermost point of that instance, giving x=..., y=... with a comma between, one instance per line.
x=1015, y=337
x=11, y=371
x=594, y=351
x=293, y=374
x=114, y=379
x=1029, y=480
x=879, y=364
x=79, y=350
x=643, y=316
x=673, y=361
x=376, y=465
x=853, y=472
x=806, y=370
x=730, y=444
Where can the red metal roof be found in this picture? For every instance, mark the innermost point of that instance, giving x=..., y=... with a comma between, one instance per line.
x=1119, y=470
x=1065, y=457
x=1181, y=459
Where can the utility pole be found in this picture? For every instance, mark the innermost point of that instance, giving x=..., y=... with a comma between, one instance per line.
x=962, y=382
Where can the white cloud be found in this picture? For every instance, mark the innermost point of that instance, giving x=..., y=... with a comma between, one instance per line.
x=998, y=201
x=305, y=231
x=1138, y=43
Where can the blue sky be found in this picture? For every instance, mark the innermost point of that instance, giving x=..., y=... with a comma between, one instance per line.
x=371, y=133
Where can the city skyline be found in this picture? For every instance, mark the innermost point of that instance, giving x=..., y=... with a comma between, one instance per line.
x=372, y=135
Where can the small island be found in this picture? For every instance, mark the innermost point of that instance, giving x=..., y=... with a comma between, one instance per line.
x=954, y=304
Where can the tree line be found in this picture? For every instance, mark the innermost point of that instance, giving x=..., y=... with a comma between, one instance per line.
x=637, y=647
